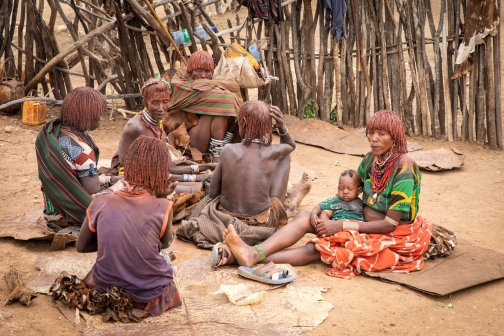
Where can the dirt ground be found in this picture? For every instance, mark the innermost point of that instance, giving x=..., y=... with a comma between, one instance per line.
x=466, y=201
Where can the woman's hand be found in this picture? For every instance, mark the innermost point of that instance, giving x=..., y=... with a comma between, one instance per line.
x=326, y=228
x=277, y=115
x=168, y=191
x=314, y=220
x=114, y=179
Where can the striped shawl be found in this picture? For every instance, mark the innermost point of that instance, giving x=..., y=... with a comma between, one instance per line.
x=61, y=187
x=218, y=96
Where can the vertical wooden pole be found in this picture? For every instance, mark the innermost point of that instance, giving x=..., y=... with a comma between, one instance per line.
x=490, y=106
x=446, y=78
x=473, y=82
x=497, y=75
x=480, y=102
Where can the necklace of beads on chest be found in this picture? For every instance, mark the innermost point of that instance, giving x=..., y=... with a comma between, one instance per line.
x=381, y=171
x=151, y=122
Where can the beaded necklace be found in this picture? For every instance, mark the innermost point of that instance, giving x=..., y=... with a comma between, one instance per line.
x=381, y=170
x=151, y=122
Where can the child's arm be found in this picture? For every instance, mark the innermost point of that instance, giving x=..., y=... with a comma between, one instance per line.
x=326, y=215
x=314, y=216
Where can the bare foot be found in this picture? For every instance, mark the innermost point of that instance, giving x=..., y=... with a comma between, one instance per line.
x=298, y=192
x=291, y=209
x=244, y=254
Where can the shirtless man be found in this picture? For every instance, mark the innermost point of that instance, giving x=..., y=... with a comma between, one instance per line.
x=156, y=99
x=249, y=184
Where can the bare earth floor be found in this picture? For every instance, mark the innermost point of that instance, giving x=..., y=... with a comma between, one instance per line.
x=468, y=201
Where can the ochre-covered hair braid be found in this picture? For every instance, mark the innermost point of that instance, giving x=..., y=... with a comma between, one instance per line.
x=155, y=86
x=254, y=120
x=82, y=105
x=200, y=60
x=386, y=120
x=147, y=164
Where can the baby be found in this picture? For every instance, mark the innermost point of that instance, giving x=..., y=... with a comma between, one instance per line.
x=346, y=205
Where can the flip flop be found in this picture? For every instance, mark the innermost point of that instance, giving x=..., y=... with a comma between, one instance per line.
x=268, y=273
x=217, y=256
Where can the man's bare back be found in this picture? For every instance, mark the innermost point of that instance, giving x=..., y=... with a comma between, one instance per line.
x=246, y=177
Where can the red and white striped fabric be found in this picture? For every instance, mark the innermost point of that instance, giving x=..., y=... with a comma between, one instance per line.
x=350, y=252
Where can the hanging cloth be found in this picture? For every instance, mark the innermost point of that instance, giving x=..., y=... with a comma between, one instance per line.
x=270, y=10
x=336, y=9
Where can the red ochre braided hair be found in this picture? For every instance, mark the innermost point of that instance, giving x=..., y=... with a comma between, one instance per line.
x=386, y=120
x=254, y=120
x=147, y=164
x=155, y=86
x=200, y=60
x=82, y=105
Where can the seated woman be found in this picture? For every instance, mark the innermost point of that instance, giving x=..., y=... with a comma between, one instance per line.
x=129, y=227
x=215, y=100
x=156, y=99
x=392, y=235
x=67, y=156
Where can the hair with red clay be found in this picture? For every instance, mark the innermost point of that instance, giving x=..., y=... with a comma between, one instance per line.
x=200, y=60
x=155, y=86
x=386, y=120
x=254, y=120
x=147, y=164
x=82, y=105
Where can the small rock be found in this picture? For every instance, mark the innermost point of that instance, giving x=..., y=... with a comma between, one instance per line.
x=9, y=129
x=36, y=201
x=59, y=317
x=33, y=141
x=17, y=129
x=336, y=162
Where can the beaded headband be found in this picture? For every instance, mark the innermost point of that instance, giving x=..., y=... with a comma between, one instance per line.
x=155, y=81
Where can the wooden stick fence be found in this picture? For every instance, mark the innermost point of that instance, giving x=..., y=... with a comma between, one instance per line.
x=397, y=55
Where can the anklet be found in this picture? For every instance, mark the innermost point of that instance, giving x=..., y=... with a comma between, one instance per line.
x=260, y=251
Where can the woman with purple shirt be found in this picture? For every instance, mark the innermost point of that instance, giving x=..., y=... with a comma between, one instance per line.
x=129, y=227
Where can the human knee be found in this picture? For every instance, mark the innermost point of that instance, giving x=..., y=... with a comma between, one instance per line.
x=302, y=220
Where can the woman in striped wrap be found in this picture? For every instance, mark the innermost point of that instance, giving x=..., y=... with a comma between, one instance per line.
x=67, y=157
x=214, y=99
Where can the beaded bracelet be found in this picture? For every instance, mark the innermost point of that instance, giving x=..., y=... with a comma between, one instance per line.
x=260, y=251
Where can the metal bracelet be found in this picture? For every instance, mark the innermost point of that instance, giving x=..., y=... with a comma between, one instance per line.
x=347, y=226
x=391, y=221
x=287, y=131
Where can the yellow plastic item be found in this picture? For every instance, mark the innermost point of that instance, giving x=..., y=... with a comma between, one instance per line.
x=34, y=115
x=236, y=50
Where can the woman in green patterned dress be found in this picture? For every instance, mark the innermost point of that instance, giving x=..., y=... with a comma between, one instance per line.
x=391, y=190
